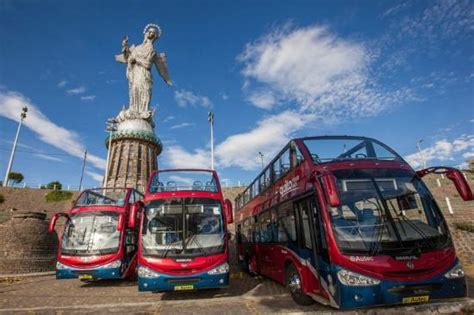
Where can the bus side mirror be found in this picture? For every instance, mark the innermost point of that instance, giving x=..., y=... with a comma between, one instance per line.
x=132, y=215
x=55, y=217
x=229, y=217
x=460, y=182
x=332, y=195
x=455, y=175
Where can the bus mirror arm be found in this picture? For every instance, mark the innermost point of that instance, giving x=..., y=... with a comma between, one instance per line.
x=229, y=218
x=55, y=217
x=330, y=189
x=455, y=175
x=132, y=215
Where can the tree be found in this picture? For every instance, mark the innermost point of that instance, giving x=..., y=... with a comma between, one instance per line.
x=16, y=178
x=56, y=185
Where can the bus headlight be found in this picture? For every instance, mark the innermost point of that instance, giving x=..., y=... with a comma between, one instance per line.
x=224, y=268
x=355, y=280
x=456, y=272
x=113, y=264
x=145, y=272
x=60, y=266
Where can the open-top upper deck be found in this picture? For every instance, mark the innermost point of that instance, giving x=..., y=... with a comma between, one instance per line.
x=183, y=181
x=289, y=171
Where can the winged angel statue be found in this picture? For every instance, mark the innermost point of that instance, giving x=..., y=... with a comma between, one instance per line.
x=139, y=60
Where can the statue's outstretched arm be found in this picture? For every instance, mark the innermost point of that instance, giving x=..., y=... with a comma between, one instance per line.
x=162, y=67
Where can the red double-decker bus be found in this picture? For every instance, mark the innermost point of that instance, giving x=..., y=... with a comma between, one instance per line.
x=99, y=239
x=346, y=222
x=184, y=243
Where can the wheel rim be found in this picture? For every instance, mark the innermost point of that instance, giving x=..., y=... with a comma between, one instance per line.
x=294, y=283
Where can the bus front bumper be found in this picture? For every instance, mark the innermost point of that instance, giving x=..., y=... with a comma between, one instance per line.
x=389, y=292
x=166, y=282
x=89, y=274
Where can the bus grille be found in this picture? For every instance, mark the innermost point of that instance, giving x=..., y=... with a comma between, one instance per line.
x=183, y=280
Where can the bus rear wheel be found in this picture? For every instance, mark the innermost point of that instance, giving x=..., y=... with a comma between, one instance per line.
x=293, y=283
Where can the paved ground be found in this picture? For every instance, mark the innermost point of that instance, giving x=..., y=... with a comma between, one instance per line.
x=247, y=295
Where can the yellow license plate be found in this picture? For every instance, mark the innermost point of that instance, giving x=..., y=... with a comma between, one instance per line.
x=184, y=287
x=85, y=277
x=416, y=299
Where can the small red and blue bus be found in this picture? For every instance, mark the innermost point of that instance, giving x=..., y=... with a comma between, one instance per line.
x=99, y=239
x=346, y=222
x=183, y=241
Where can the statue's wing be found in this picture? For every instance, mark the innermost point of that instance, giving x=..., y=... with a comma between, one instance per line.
x=121, y=58
x=162, y=67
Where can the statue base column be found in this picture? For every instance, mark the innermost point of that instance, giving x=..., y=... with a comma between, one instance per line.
x=133, y=155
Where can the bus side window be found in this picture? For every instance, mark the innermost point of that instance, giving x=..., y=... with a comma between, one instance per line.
x=321, y=245
x=256, y=231
x=286, y=223
x=305, y=226
x=285, y=162
x=295, y=155
x=264, y=220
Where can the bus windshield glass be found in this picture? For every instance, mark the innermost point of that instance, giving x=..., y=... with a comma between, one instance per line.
x=91, y=233
x=183, y=180
x=386, y=211
x=102, y=196
x=329, y=149
x=183, y=226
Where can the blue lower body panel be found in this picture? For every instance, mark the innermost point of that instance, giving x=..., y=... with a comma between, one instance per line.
x=95, y=273
x=171, y=283
x=399, y=292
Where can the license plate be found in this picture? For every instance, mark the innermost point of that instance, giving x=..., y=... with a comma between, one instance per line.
x=416, y=299
x=184, y=287
x=85, y=277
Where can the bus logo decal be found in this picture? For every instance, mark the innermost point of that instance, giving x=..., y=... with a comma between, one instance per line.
x=289, y=186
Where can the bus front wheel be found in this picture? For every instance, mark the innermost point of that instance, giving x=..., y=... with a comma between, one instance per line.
x=293, y=283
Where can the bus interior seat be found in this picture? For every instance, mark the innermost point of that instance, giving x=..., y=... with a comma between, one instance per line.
x=171, y=186
x=197, y=185
x=366, y=216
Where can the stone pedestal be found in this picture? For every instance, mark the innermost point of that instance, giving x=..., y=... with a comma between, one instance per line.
x=133, y=155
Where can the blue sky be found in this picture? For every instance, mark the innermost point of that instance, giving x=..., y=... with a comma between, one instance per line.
x=398, y=71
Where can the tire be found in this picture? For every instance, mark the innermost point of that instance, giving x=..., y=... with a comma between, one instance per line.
x=293, y=283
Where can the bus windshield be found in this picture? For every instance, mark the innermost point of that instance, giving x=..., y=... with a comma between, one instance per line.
x=386, y=211
x=181, y=180
x=330, y=149
x=183, y=226
x=91, y=233
x=102, y=196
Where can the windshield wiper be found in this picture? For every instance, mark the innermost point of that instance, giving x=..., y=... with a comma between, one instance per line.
x=194, y=239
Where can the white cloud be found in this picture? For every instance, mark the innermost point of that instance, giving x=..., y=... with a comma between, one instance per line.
x=95, y=176
x=62, y=83
x=187, y=98
x=268, y=137
x=177, y=157
x=168, y=119
x=224, y=96
x=468, y=155
x=48, y=157
x=319, y=71
x=262, y=99
x=443, y=150
x=182, y=125
x=46, y=130
x=75, y=91
x=88, y=98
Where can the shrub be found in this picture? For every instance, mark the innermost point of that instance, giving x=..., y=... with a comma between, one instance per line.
x=16, y=178
x=56, y=185
x=58, y=195
x=465, y=226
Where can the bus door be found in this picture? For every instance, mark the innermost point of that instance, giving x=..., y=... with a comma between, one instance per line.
x=309, y=245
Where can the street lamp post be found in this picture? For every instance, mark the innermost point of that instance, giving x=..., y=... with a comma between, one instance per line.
x=261, y=159
x=111, y=127
x=24, y=110
x=421, y=152
x=210, y=118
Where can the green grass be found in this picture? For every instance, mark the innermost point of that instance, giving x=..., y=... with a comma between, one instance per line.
x=58, y=195
x=465, y=226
